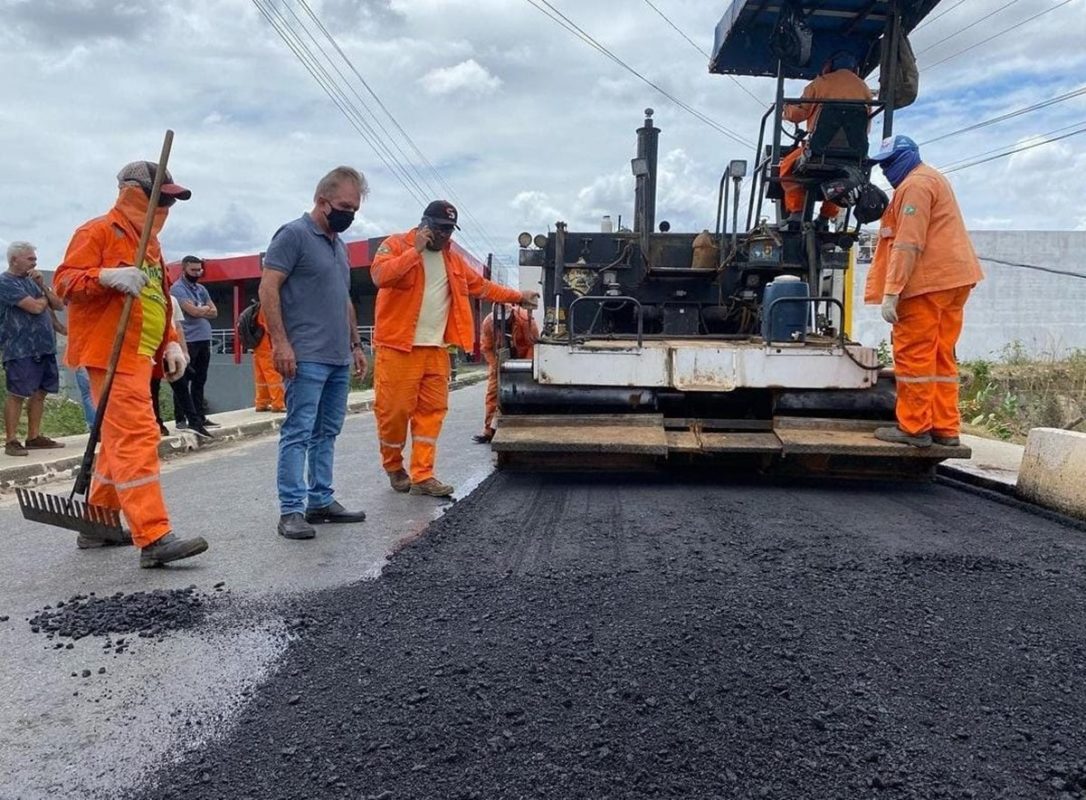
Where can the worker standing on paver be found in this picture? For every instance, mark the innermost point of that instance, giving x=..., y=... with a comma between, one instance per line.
x=423, y=286
x=521, y=334
x=96, y=274
x=923, y=270
x=267, y=382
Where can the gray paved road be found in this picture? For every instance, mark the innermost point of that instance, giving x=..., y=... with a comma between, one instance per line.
x=73, y=737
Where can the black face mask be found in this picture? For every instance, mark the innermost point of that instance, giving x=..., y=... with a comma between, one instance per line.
x=339, y=220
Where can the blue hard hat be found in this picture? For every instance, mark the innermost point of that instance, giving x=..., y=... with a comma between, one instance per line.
x=894, y=145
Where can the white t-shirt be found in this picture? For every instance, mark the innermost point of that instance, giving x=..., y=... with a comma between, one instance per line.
x=434, y=314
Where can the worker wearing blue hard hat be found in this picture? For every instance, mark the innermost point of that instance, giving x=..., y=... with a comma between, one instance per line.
x=922, y=273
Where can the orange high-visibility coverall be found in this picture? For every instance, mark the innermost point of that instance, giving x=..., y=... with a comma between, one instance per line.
x=266, y=379
x=924, y=256
x=126, y=474
x=841, y=84
x=411, y=384
x=524, y=331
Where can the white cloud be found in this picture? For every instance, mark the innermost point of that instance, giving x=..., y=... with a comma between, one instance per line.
x=467, y=76
x=544, y=131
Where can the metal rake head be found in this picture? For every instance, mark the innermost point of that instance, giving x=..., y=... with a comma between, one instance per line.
x=75, y=515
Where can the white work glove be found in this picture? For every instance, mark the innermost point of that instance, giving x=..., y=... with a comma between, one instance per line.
x=889, y=308
x=129, y=280
x=174, y=362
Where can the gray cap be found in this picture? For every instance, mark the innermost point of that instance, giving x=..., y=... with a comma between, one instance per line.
x=142, y=173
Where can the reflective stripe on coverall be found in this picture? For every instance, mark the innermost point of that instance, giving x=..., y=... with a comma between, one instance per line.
x=841, y=84
x=924, y=256
x=126, y=473
x=411, y=384
x=267, y=381
x=410, y=388
x=524, y=331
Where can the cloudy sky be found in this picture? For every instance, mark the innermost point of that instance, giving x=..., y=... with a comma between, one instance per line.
x=519, y=123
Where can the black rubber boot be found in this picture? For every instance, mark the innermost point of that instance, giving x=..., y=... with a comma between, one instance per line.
x=171, y=547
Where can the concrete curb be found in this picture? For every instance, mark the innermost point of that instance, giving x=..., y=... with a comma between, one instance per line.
x=184, y=442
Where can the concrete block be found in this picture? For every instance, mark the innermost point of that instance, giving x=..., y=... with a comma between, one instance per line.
x=1053, y=471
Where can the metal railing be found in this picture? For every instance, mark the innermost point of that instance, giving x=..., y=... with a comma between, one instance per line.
x=223, y=339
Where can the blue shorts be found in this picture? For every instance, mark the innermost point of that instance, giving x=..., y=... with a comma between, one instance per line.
x=32, y=374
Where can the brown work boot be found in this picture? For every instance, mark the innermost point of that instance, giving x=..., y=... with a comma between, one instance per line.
x=15, y=448
x=432, y=487
x=399, y=480
x=43, y=443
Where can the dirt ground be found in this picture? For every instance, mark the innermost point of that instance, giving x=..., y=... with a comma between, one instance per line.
x=592, y=637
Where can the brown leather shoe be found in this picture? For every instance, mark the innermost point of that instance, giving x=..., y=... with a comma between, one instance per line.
x=15, y=448
x=399, y=480
x=43, y=443
x=432, y=487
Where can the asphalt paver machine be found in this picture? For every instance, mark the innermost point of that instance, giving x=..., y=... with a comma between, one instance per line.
x=727, y=346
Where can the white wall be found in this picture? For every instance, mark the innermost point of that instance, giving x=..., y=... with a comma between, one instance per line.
x=1045, y=313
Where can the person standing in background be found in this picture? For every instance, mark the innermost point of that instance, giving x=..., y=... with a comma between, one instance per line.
x=29, y=346
x=199, y=310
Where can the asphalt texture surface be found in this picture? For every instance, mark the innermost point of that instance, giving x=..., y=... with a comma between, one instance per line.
x=617, y=637
x=91, y=719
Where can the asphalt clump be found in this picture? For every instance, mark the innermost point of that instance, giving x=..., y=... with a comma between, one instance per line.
x=554, y=638
x=149, y=615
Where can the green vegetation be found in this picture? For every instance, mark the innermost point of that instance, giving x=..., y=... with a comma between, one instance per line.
x=1007, y=397
x=64, y=417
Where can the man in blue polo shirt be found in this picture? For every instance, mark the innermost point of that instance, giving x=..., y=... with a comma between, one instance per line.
x=306, y=302
x=29, y=347
x=199, y=309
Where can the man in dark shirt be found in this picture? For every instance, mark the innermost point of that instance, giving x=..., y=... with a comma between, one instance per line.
x=29, y=347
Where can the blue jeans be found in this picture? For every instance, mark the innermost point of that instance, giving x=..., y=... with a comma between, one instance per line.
x=316, y=406
x=82, y=380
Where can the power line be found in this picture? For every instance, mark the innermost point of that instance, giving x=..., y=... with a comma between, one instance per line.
x=1010, y=115
x=561, y=19
x=937, y=17
x=279, y=23
x=1034, y=266
x=960, y=31
x=312, y=63
x=1017, y=25
x=702, y=50
x=1012, y=152
x=411, y=142
x=1015, y=144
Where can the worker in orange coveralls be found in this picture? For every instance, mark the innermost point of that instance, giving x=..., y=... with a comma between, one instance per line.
x=266, y=378
x=422, y=306
x=96, y=274
x=922, y=273
x=522, y=335
x=838, y=81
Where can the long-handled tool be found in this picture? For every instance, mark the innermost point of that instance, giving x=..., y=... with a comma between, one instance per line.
x=78, y=514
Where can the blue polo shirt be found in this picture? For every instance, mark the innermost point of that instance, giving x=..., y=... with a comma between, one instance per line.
x=197, y=329
x=23, y=334
x=314, y=296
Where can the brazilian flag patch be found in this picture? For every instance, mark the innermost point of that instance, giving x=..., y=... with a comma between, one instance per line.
x=910, y=210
